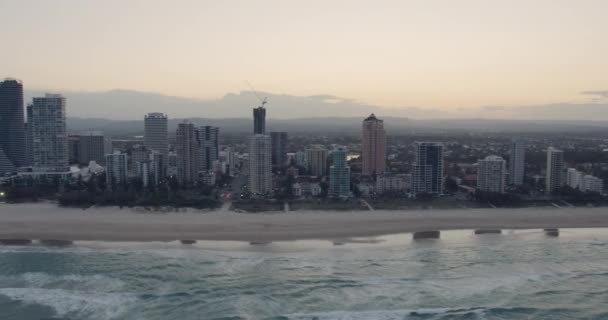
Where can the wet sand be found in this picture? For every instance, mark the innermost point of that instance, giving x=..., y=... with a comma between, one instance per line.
x=47, y=221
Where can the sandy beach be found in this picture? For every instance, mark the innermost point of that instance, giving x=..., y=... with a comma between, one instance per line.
x=47, y=221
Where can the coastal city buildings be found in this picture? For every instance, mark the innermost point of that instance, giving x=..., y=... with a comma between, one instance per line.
x=428, y=168
x=373, y=143
x=187, y=149
x=12, y=128
x=259, y=120
x=208, y=138
x=260, y=164
x=156, y=132
x=491, y=173
x=574, y=178
x=554, y=178
x=339, y=174
x=584, y=182
x=393, y=183
x=47, y=127
x=116, y=170
x=517, y=159
x=92, y=146
x=279, y=148
x=316, y=161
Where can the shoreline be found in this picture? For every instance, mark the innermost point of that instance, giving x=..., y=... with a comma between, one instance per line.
x=47, y=221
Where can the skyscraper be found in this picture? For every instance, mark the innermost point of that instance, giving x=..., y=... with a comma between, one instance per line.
x=47, y=127
x=517, y=161
x=373, y=141
x=260, y=164
x=555, y=170
x=210, y=148
x=279, y=148
x=92, y=147
x=116, y=169
x=316, y=161
x=491, y=173
x=259, y=120
x=428, y=168
x=187, y=148
x=12, y=128
x=156, y=132
x=339, y=174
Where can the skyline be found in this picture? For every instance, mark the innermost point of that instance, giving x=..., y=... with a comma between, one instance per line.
x=434, y=56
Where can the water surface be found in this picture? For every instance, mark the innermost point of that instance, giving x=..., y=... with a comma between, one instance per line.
x=517, y=275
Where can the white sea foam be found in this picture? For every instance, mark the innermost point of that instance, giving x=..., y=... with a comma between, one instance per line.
x=78, y=304
x=385, y=314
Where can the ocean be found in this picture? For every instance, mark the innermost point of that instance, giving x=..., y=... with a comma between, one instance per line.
x=520, y=274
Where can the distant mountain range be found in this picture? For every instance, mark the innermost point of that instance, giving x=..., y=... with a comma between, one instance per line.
x=350, y=125
x=133, y=105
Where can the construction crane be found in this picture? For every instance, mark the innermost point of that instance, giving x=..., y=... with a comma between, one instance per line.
x=263, y=101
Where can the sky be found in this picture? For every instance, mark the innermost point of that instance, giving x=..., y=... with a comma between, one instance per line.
x=441, y=55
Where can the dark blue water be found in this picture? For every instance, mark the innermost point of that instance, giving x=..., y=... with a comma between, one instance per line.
x=517, y=275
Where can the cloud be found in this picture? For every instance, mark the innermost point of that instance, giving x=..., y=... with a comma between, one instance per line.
x=599, y=94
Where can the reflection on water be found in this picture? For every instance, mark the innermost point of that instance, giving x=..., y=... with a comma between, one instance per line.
x=513, y=275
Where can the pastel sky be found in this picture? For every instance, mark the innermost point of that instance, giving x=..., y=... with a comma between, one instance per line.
x=425, y=53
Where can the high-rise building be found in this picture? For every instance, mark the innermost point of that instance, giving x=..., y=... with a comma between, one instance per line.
x=428, y=168
x=259, y=120
x=93, y=146
x=517, y=161
x=555, y=170
x=171, y=164
x=209, y=139
x=279, y=148
x=116, y=169
x=592, y=184
x=138, y=153
x=491, y=173
x=159, y=167
x=574, y=178
x=156, y=132
x=373, y=142
x=339, y=174
x=47, y=127
x=316, y=161
x=260, y=164
x=187, y=148
x=12, y=127
x=300, y=158
x=74, y=148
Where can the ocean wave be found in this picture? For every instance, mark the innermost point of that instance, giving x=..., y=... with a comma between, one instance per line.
x=96, y=282
x=74, y=304
x=427, y=314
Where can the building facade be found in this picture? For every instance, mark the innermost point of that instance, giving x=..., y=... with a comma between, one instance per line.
x=116, y=170
x=210, y=147
x=260, y=164
x=373, y=143
x=93, y=146
x=47, y=127
x=12, y=127
x=395, y=183
x=428, y=168
x=156, y=132
x=554, y=178
x=491, y=173
x=517, y=161
x=339, y=174
x=259, y=120
x=187, y=149
x=316, y=161
x=279, y=148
